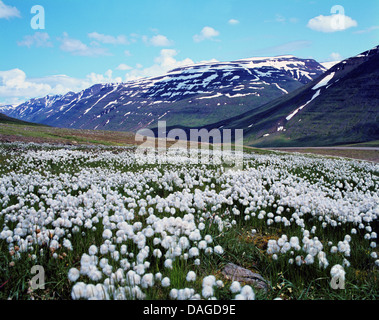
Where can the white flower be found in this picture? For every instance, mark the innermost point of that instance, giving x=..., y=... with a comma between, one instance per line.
x=338, y=271
x=73, y=274
x=309, y=259
x=158, y=276
x=248, y=292
x=235, y=287
x=67, y=244
x=191, y=276
x=207, y=292
x=107, y=234
x=147, y=280
x=218, y=250
x=208, y=238
x=157, y=253
x=168, y=263
x=103, y=249
x=165, y=282
x=78, y=291
x=209, y=281
x=193, y=252
x=174, y=293
x=92, y=250
x=140, y=268
x=202, y=245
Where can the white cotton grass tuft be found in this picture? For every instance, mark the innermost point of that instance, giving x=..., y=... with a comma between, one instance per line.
x=248, y=292
x=78, y=291
x=218, y=249
x=209, y=281
x=207, y=292
x=147, y=280
x=92, y=250
x=235, y=287
x=191, y=276
x=338, y=271
x=168, y=264
x=174, y=294
x=122, y=208
x=73, y=274
x=166, y=282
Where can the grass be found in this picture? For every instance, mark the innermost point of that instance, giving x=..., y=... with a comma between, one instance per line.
x=241, y=247
x=43, y=134
x=368, y=155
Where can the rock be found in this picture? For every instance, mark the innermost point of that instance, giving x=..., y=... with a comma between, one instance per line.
x=236, y=273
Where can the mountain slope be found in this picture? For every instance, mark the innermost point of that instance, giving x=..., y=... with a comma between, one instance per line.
x=195, y=95
x=4, y=119
x=341, y=106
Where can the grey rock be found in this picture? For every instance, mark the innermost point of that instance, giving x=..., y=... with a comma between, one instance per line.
x=234, y=272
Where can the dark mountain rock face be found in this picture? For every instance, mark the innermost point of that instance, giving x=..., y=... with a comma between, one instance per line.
x=341, y=106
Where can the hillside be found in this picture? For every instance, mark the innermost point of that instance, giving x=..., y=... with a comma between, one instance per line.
x=4, y=119
x=340, y=107
x=194, y=95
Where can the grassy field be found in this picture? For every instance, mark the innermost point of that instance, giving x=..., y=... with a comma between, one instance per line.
x=104, y=224
x=368, y=155
x=11, y=132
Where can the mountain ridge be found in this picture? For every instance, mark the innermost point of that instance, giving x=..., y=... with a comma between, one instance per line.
x=339, y=107
x=198, y=94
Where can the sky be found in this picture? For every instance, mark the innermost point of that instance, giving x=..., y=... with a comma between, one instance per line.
x=57, y=46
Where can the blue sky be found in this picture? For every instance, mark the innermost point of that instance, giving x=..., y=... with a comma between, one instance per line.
x=86, y=42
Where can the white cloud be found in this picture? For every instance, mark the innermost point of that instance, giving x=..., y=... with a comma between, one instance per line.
x=123, y=67
x=16, y=87
x=127, y=53
x=335, y=56
x=78, y=48
x=39, y=39
x=332, y=23
x=13, y=84
x=368, y=30
x=108, y=39
x=163, y=63
x=158, y=41
x=233, y=21
x=207, y=33
x=95, y=78
x=7, y=12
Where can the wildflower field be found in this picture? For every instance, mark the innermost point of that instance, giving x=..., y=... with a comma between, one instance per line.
x=104, y=225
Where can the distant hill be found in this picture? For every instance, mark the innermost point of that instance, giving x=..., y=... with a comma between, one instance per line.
x=8, y=120
x=339, y=107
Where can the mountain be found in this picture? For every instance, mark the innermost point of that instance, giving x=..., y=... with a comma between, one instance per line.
x=4, y=119
x=194, y=95
x=339, y=107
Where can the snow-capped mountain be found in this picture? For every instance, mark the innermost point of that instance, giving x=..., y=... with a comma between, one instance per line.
x=339, y=107
x=192, y=95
